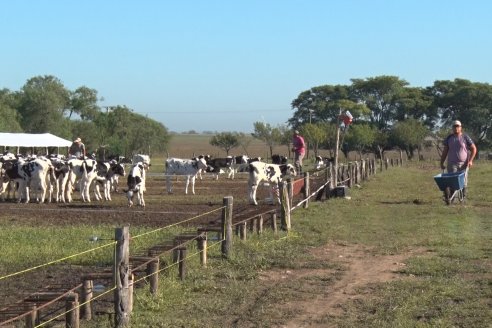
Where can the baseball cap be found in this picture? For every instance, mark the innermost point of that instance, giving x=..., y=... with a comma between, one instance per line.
x=296, y=131
x=456, y=123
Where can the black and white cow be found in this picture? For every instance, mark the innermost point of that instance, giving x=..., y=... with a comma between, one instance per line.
x=84, y=171
x=219, y=165
x=321, y=162
x=62, y=173
x=206, y=157
x=32, y=175
x=106, y=177
x=270, y=173
x=188, y=167
x=136, y=184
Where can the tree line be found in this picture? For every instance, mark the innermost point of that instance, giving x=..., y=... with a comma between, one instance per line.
x=387, y=114
x=45, y=105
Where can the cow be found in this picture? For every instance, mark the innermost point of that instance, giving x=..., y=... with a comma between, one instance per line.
x=321, y=162
x=136, y=184
x=107, y=173
x=34, y=174
x=188, y=167
x=270, y=173
x=206, y=157
x=62, y=173
x=141, y=158
x=279, y=159
x=218, y=164
x=84, y=171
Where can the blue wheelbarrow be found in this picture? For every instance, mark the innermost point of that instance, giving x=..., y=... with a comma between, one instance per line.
x=452, y=185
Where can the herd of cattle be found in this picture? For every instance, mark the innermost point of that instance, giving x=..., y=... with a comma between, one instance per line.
x=54, y=178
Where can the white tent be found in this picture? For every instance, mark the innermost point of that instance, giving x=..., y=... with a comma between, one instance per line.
x=32, y=140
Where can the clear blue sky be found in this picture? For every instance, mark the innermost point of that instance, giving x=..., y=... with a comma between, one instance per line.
x=223, y=65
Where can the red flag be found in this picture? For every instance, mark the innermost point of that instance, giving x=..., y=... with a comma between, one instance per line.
x=346, y=118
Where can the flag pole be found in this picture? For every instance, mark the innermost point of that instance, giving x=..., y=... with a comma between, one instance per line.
x=337, y=144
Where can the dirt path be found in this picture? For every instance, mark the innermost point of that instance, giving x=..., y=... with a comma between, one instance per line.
x=360, y=268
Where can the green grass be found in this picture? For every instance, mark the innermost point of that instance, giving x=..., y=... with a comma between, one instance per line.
x=448, y=281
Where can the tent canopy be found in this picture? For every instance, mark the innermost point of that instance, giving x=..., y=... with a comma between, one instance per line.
x=32, y=140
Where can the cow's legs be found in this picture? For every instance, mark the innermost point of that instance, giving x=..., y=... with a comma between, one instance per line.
x=252, y=194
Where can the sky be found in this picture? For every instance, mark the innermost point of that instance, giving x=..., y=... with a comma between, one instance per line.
x=223, y=65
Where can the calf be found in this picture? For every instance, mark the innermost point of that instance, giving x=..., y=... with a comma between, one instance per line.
x=217, y=164
x=206, y=157
x=136, y=184
x=84, y=171
x=107, y=173
x=34, y=174
x=271, y=173
x=62, y=173
x=188, y=167
x=321, y=162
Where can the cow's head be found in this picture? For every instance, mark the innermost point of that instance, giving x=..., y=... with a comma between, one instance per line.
x=288, y=170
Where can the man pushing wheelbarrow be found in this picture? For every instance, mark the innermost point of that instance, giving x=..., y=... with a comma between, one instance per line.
x=460, y=150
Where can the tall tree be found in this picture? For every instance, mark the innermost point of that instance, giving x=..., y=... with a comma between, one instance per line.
x=318, y=104
x=382, y=94
x=83, y=101
x=469, y=102
x=44, y=101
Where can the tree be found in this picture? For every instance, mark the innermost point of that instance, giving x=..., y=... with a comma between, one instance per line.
x=360, y=138
x=9, y=117
x=268, y=134
x=314, y=135
x=417, y=103
x=469, y=102
x=318, y=104
x=225, y=141
x=382, y=95
x=83, y=102
x=408, y=135
x=44, y=101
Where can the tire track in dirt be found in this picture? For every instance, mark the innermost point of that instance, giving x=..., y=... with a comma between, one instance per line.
x=360, y=268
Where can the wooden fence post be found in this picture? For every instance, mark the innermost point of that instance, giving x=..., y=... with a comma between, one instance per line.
x=284, y=208
x=182, y=263
x=202, y=247
x=86, y=306
x=227, y=226
x=72, y=309
x=307, y=190
x=121, y=276
x=152, y=272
